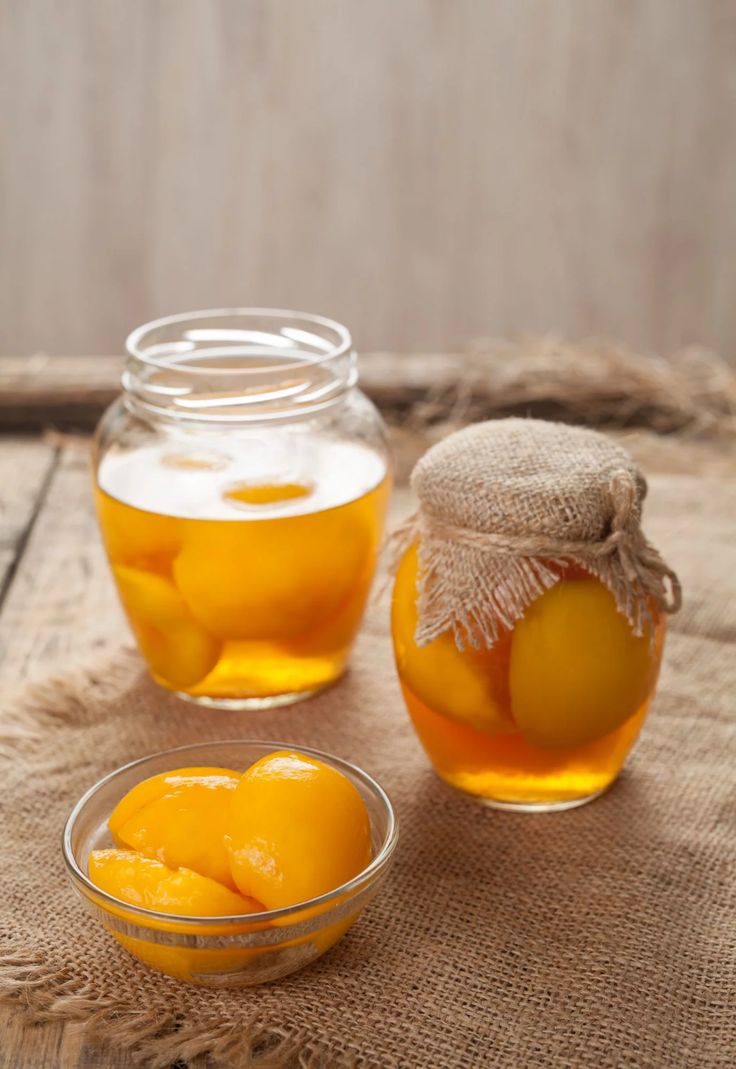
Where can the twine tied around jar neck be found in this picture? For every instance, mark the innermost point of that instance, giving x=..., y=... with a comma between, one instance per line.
x=505, y=505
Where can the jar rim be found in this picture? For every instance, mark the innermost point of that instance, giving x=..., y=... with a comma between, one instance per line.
x=238, y=365
x=134, y=339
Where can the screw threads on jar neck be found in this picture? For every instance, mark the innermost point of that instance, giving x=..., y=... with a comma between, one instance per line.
x=238, y=366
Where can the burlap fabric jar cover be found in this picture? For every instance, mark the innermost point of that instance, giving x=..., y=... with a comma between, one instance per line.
x=503, y=504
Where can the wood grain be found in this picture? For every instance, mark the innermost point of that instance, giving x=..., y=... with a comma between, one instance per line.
x=61, y=605
x=424, y=171
x=25, y=468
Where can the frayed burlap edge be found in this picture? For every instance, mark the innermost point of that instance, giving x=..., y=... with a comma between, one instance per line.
x=45, y=993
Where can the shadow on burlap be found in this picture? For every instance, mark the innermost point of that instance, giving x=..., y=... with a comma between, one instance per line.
x=602, y=937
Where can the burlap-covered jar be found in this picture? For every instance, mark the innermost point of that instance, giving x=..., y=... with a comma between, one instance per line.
x=529, y=611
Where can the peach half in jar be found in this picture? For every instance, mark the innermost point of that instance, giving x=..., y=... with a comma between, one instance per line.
x=209, y=842
x=545, y=716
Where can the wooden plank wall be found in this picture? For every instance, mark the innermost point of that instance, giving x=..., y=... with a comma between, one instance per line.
x=425, y=170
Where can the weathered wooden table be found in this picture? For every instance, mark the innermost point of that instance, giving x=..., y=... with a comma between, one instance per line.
x=57, y=604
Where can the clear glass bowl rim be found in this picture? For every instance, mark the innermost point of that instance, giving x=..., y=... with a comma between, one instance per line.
x=343, y=346
x=365, y=877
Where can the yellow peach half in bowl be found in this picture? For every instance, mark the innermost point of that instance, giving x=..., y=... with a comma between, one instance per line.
x=252, y=946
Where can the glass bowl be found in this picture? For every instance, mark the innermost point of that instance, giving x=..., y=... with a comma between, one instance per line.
x=225, y=951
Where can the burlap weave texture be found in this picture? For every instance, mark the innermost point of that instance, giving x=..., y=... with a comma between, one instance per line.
x=602, y=938
x=504, y=503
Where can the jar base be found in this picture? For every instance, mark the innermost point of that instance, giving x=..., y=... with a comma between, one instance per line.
x=529, y=807
x=253, y=704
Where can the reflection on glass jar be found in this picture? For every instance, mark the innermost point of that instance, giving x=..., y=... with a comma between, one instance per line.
x=242, y=483
x=544, y=718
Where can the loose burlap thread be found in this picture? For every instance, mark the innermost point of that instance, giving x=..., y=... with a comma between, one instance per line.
x=601, y=938
x=505, y=504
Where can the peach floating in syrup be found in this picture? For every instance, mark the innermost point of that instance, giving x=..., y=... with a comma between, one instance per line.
x=141, y=540
x=577, y=670
x=175, y=645
x=266, y=493
x=272, y=579
x=469, y=686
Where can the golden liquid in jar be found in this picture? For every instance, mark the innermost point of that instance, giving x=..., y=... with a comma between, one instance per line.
x=244, y=575
x=504, y=766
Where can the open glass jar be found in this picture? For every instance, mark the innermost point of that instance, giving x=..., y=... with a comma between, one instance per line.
x=242, y=481
x=528, y=613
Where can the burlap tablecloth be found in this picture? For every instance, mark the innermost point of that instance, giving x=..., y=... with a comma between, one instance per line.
x=601, y=937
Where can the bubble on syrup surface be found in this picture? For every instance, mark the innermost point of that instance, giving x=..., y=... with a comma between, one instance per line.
x=195, y=461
